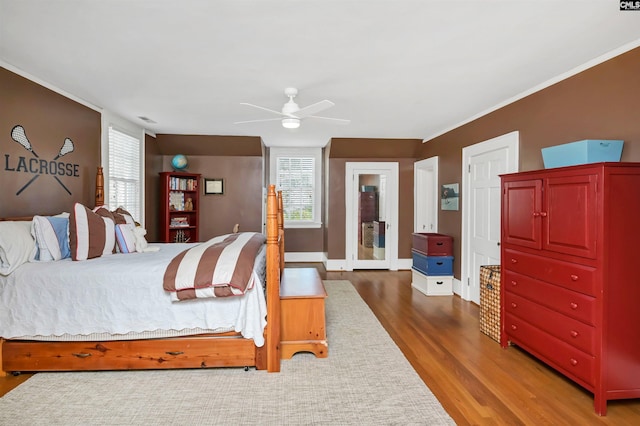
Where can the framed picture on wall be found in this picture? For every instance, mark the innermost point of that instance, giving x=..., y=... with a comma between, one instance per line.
x=214, y=186
x=449, y=196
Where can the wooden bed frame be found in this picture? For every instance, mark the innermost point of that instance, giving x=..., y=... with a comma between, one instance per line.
x=199, y=351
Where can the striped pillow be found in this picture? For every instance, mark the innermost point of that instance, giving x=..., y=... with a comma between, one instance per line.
x=90, y=235
x=52, y=238
x=126, y=238
x=123, y=216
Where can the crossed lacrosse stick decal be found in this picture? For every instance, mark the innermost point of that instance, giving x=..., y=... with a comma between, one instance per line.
x=18, y=135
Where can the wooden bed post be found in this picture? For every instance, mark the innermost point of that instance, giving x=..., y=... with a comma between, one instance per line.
x=273, y=283
x=281, y=230
x=99, y=188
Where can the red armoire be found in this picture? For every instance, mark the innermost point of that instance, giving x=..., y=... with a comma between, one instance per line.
x=570, y=282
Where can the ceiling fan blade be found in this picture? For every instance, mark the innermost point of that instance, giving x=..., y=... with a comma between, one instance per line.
x=335, y=120
x=257, y=121
x=313, y=109
x=263, y=108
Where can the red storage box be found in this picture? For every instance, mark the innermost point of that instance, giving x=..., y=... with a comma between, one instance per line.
x=432, y=244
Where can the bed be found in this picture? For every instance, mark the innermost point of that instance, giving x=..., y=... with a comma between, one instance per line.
x=111, y=313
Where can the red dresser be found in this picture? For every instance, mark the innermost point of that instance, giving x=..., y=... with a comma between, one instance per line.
x=569, y=283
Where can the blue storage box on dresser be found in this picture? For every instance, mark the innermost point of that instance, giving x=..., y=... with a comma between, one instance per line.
x=582, y=152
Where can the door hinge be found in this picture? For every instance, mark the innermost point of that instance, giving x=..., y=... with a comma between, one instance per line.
x=468, y=281
x=468, y=168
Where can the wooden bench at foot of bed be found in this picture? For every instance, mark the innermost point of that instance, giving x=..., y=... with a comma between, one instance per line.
x=303, y=327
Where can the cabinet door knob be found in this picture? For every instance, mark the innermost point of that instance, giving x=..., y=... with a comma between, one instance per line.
x=543, y=214
x=536, y=214
x=514, y=283
x=574, y=333
x=514, y=305
x=573, y=305
x=514, y=260
x=573, y=361
x=514, y=327
x=574, y=277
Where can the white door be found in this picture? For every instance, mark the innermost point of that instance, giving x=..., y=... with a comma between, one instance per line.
x=364, y=248
x=425, y=184
x=483, y=163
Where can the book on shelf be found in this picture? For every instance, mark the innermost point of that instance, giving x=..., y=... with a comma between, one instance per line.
x=179, y=222
x=182, y=184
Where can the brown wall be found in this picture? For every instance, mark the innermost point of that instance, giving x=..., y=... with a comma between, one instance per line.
x=242, y=199
x=48, y=119
x=236, y=159
x=602, y=102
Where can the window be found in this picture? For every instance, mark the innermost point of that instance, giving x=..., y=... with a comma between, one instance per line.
x=124, y=173
x=296, y=172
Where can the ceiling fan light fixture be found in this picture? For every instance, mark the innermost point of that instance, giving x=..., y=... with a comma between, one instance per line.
x=290, y=123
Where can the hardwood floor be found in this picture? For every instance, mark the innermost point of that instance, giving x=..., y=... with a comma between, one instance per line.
x=477, y=382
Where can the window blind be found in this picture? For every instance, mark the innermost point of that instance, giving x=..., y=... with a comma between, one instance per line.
x=296, y=178
x=124, y=172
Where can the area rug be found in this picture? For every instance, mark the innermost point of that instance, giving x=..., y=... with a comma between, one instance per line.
x=365, y=380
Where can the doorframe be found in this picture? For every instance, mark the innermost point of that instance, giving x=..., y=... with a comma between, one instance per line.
x=510, y=141
x=353, y=169
x=425, y=181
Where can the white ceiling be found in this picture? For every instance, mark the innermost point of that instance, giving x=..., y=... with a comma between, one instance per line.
x=395, y=68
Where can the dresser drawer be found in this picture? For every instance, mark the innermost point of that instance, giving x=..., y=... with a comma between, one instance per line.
x=573, y=332
x=572, y=362
x=571, y=303
x=573, y=276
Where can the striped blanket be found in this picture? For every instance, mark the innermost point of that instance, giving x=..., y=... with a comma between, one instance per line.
x=220, y=267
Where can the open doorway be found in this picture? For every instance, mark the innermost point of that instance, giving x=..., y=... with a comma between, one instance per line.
x=372, y=212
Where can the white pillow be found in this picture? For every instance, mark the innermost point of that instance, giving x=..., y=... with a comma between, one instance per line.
x=16, y=245
x=126, y=238
x=52, y=238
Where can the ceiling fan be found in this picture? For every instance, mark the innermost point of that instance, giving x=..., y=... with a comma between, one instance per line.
x=292, y=114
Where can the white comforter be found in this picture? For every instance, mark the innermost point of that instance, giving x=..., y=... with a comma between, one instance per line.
x=118, y=294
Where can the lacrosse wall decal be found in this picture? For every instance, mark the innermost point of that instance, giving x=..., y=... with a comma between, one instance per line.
x=66, y=148
x=18, y=134
x=38, y=166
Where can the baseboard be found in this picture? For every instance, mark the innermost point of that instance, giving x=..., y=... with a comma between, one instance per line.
x=457, y=286
x=335, y=264
x=405, y=264
x=303, y=257
x=341, y=264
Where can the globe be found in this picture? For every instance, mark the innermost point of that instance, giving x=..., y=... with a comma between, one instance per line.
x=179, y=162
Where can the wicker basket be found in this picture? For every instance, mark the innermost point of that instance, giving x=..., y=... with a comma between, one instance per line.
x=490, y=301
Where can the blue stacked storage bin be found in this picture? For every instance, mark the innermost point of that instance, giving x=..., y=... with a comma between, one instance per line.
x=432, y=265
